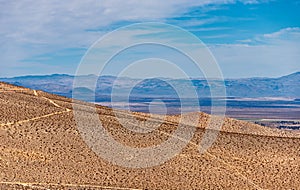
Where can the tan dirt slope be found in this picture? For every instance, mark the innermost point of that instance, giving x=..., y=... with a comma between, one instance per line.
x=41, y=148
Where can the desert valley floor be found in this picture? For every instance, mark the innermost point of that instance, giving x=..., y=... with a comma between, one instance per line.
x=41, y=148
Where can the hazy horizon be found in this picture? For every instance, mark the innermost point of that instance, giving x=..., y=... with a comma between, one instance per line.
x=130, y=94
x=201, y=77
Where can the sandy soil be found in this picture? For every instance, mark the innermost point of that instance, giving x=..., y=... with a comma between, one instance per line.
x=41, y=148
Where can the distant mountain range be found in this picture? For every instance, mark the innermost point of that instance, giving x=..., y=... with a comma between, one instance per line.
x=62, y=84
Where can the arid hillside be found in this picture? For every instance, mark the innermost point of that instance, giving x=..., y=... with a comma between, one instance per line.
x=41, y=148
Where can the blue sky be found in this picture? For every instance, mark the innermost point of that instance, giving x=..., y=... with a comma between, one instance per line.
x=248, y=38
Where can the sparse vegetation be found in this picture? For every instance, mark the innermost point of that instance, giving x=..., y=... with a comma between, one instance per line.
x=50, y=153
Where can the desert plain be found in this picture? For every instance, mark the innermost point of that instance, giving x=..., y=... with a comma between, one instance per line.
x=42, y=148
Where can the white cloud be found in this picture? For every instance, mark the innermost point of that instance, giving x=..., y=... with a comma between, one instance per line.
x=65, y=22
x=30, y=27
x=290, y=34
x=58, y=22
x=289, y=30
x=265, y=55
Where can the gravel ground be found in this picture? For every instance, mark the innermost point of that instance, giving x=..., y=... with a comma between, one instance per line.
x=49, y=152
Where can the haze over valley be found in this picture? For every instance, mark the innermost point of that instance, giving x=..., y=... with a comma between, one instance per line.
x=149, y=95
